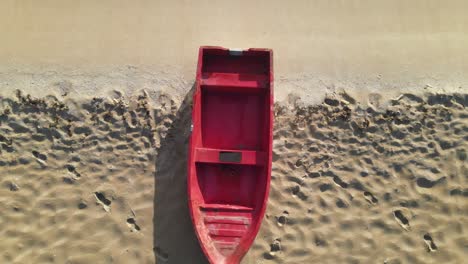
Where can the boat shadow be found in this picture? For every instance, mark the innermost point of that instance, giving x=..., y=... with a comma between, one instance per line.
x=174, y=238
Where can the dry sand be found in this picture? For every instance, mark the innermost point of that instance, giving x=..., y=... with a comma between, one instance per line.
x=103, y=181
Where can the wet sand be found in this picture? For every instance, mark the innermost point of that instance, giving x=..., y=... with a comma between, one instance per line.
x=103, y=180
x=320, y=46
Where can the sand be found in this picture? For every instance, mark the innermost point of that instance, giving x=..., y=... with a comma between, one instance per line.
x=320, y=46
x=355, y=184
x=103, y=181
x=93, y=169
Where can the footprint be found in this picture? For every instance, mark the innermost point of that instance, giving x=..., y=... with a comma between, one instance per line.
x=331, y=101
x=82, y=130
x=82, y=205
x=38, y=155
x=340, y=182
x=460, y=192
x=12, y=186
x=296, y=192
x=401, y=219
x=109, y=118
x=325, y=187
x=72, y=170
x=446, y=144
x=298, y=163
x=131, y=222
x=283, y=219
x=341, y=204
x=364, y=173
x=370, y=198
x=313, y=175
x=69, y=180
x=374, y=99
x=38, y=137
x=461, y=154
x=347, y=98
x=323, y=203
x=368, y=161
x=427, y=183
x=102, y=200
x=19, y=127
x=131, y=120
x=8, y=148
x=431, y=246
x=275, y=247
x=5, y=140
x=320, y=241
x=40, y=158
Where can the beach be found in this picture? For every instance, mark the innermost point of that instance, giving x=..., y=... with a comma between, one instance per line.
x=369, y=140
x=104, y=181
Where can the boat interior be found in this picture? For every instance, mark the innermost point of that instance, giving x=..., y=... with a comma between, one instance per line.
x=231, y=152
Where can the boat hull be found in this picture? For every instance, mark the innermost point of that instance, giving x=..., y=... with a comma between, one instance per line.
x=229, y=166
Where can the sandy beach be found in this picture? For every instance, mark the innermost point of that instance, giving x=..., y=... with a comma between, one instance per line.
x=370, y=135
x=103, y=181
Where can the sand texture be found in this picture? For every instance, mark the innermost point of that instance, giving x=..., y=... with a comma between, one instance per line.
x=319, y=46
x=103, y=181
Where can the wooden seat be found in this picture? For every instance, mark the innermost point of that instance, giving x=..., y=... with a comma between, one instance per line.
x=244, y=157
x=218, y=79
x=225, y=207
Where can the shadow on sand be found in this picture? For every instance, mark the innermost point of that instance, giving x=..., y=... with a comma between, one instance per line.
x=174, y=239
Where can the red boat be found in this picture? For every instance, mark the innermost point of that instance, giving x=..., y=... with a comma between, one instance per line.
x=229, y=166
